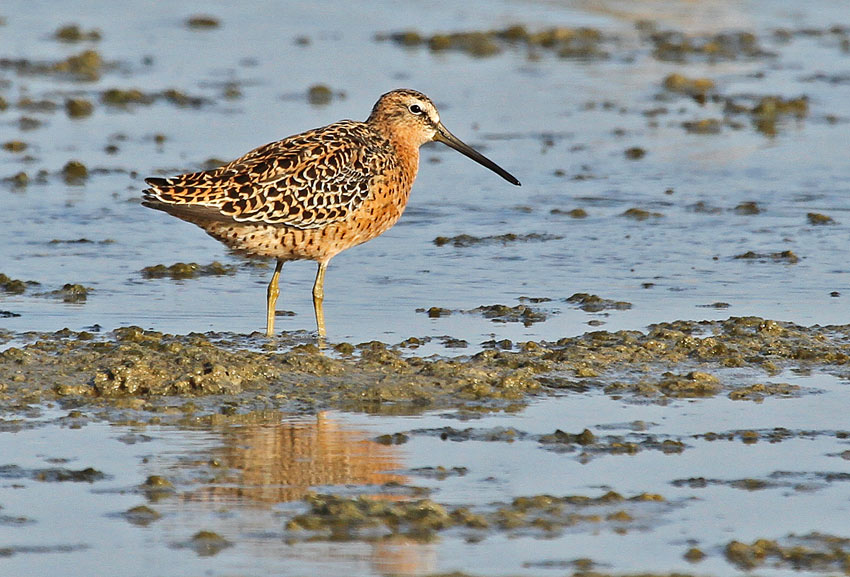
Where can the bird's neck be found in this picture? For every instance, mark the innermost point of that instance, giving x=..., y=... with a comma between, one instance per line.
x=404, y=143
x=408, y=156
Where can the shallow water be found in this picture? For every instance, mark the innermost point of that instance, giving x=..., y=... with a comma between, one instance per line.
x=535, y=117
x=240, y=480
x=562, y=127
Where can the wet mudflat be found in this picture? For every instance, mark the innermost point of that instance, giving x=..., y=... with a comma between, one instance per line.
x=637, y=363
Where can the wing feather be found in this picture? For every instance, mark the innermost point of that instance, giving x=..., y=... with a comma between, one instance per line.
x=305, y=181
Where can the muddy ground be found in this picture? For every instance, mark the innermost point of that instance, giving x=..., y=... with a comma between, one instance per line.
x=146, y=369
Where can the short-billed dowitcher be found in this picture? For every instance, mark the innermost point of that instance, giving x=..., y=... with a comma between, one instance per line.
x=314, y=194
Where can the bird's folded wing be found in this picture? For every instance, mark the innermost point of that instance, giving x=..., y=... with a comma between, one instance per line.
x=308, y=180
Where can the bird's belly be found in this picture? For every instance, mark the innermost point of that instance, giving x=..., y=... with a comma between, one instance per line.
x=319, y=244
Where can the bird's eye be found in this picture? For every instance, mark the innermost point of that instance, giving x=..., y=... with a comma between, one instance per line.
x=415, y=109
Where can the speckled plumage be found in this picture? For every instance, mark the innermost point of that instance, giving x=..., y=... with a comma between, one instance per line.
x=314, y=194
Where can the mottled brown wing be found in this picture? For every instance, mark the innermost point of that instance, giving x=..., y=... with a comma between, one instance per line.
x=308, y=180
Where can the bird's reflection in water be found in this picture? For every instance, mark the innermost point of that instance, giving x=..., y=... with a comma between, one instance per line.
x=265, y=459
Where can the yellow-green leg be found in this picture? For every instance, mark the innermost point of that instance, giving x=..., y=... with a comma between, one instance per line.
x=273, y=292
x=319, y=297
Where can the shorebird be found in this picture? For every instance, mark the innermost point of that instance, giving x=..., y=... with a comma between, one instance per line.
x=312, y=195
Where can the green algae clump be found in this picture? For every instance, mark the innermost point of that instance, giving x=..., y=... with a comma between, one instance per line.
x=123, y=98
x=73, y=33
x=319, y=95
x=12, y=285
x=816, y=218
x=15, y=146
x=207, y=543
x=696, y=87
x=202, y=22
x=141, y=515
x=703, y=126
x=73, y=293
x=563, y=42
x=336, y=518
x=78, y=107
x=74, y=172
x=812, y=552
x=182, y=270
x=86, y=65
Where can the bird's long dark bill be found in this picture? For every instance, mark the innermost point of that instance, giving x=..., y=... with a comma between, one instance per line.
x=446, y=137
